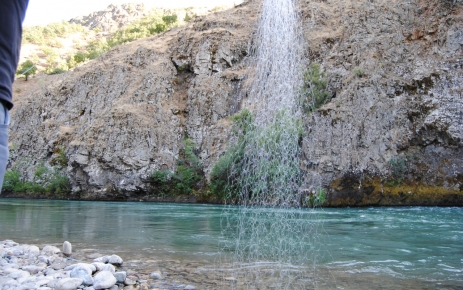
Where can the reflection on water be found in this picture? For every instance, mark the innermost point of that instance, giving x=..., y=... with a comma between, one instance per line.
x=166, y=228
x=393, y=244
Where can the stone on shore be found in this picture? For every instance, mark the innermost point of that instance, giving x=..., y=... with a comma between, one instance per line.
x=50, y=250
x=89, y=267
x=68, y=284
x=44, y=259
x=120, y=276
x=108, y=267
x=98, y=265
x=33, y=269
x=156, y=275
x=18, y=274
x=115, y=260
x=67, y=248
x=103, y=280
x=83, y=273
x=103, y=260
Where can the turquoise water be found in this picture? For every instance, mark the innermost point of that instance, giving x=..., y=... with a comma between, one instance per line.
x=410, y=243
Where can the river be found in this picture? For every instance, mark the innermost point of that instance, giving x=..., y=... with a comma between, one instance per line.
x=396, y=248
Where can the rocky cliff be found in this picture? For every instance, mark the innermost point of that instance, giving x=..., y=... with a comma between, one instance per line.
x=390, y=134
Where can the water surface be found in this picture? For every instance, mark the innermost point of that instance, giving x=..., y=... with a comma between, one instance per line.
x=395, y=245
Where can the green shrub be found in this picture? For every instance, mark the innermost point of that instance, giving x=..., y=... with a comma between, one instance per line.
x=227, y=180
x=316, y=199
x=224, y=174
x=97, y=48
x=56, y=70
x=169, y=20
x=80, y=57
x=359, y=72
x=220, y=184
x=40, y=170
x=186, y=177
x=151, y=24
x=41, y=35
x=12, y=181
x=188, y=17
x=58, y=184
x=161, y=180
x=50, y=181
x=314, y=93
x=398, y=169
x=60, y=159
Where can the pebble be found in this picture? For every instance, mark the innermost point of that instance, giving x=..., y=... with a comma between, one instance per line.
x=33, y=269
x=24, y=267
x=156, y=275
x=129, y=281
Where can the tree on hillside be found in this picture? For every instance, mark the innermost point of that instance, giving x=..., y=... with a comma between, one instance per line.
x=27, y=68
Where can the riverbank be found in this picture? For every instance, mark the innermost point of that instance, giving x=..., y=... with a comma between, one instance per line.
x=343, y=197
x=46, y=267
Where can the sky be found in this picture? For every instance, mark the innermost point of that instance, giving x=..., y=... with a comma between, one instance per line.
x=42, y=12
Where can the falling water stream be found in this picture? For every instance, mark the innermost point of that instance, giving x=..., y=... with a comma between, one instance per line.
x=270, y=243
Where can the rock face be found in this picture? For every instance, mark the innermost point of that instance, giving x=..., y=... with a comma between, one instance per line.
x=113, y=18
x=392, y=132
x=395, y=134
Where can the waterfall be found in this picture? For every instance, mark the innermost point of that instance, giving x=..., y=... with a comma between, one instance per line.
x=269, y=170
x=275, y=242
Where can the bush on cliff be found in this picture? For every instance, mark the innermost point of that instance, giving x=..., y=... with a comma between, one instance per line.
x=188, y=174
x=314, y=92
x=46, y=180
x=224, y=174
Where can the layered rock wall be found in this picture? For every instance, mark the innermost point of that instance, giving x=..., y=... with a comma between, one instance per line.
x=391, y=132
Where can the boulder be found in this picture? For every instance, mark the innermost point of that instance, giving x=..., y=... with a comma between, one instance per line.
x=82, y=273
x=104, y=280
x=68, y=284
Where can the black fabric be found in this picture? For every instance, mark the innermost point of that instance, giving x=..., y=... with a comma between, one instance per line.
x=12, y=13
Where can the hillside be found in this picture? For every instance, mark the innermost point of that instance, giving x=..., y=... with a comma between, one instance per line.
x=59, y=47
x=390, y=132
